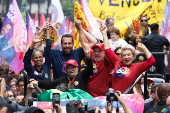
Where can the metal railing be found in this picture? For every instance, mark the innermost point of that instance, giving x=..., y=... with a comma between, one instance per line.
x=156, y=74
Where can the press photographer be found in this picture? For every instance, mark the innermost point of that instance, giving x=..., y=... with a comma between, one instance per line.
x=115, y=96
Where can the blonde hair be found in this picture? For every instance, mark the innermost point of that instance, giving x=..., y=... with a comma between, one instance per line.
x=129, y=47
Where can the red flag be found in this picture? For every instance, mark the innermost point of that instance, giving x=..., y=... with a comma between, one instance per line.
x=42, y=20
x=36, y=20
x=67, y=23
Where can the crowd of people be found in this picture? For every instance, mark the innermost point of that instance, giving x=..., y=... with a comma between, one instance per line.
x=110, y=64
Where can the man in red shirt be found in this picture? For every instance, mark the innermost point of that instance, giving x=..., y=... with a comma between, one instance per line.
x=98, y=82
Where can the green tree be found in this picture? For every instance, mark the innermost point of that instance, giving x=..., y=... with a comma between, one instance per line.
x=68, y=9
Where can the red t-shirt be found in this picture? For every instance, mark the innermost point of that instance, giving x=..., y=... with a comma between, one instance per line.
x=98, y=82
x=124, y=75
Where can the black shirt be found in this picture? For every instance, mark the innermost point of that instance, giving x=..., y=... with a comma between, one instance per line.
x=108, y=34
x=148, y=104
x=158, y=108
x=155, y=42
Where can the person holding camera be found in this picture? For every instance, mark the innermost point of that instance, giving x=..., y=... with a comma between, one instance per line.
x=115, y=96
x=122, y=102
x=125, y=72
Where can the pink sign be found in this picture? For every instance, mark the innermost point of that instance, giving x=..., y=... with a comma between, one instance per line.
x=91, y=20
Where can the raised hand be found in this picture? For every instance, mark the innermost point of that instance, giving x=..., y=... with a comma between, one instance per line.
x=37, y=38
x=59, y=110
x=78, y=24
x=119, y=97
x=109, y=107
x=45, y=26
x=141, y=47
x=103, y=30
x=132, y=33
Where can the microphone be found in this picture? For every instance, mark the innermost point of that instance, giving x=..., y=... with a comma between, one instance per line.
x=35, y=86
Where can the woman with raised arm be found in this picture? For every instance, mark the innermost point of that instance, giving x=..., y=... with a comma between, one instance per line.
x=40, y=70
x=125, y=73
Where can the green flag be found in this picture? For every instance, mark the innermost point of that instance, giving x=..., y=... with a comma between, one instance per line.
x=23, y=11
x=71, y=94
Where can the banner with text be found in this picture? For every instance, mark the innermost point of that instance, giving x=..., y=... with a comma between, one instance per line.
x=13, y=38
x=127, y=10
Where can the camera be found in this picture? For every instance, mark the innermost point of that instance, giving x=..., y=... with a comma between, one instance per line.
x=89, y=110
x=85, y=108
x=0, y=80
x=110, y=93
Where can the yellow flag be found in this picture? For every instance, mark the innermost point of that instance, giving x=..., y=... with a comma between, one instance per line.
x=127, y=10
x=150, y=13
x=78, y=14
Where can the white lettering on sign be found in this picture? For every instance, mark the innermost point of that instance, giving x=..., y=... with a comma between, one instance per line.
x=10, y=13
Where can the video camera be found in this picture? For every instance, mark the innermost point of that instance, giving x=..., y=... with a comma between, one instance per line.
x=85, y=108
x=110, y=93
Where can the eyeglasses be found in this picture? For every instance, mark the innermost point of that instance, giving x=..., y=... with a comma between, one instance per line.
x=144, y=20
x=38, y=57
x=117, y=54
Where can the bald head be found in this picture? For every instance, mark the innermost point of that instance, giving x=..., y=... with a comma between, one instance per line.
x=163, y=91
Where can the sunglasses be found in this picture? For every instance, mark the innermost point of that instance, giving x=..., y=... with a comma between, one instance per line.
x=144, y=20
x=117, y=54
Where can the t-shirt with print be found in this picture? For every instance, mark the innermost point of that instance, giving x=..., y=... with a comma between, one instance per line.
x=115, y=44
x=98, y=82
x=59, y=60
x=124, y=75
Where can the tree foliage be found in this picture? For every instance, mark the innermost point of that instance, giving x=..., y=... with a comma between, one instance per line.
x=68, y=9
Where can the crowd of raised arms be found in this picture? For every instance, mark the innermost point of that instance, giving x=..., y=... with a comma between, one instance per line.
x=111, y=65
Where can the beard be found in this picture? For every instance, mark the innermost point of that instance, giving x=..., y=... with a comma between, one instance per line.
x=67, y=52
x=97, y=58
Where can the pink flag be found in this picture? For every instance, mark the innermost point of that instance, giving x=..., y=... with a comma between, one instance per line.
x=31, y=30
x=134, y=101
x=14, y=37
x=42, y=20
x=91, y=20
x=36, y=20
